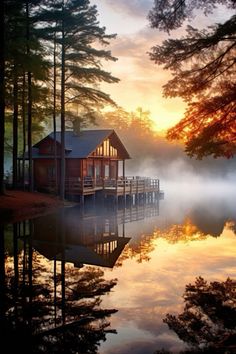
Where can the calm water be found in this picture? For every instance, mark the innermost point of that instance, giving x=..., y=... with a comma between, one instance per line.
x=102, y=281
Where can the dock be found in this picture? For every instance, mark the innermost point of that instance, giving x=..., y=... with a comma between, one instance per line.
x=123, y=187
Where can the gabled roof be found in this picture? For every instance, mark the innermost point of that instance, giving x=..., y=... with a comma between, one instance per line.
x=80, y=253
x=83, y=144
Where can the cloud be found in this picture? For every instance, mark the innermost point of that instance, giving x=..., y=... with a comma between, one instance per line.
x=146, y=292
x=138, y=8
x=141, y=79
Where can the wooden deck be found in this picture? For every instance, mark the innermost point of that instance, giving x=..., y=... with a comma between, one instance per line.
x=128, y=186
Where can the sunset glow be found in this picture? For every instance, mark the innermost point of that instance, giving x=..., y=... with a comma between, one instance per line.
x=117, y=176
x=141, y=80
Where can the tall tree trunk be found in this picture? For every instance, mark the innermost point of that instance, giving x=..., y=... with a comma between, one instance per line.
x=15, y=128
x=23, y=129
x=29, y=76
x=54, y=109
x=62, y=181
x=30, y=273
x=16, y=227
x=29, y=110
x=2, y=94
x=2, y=280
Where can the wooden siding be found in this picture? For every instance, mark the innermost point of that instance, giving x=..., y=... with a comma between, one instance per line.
x=73, y=168
x=46, y=147
x=44, y=171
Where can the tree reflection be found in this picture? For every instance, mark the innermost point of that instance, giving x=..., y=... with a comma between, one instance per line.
x=185, y=232
x=141, y=248
x=51, y=307
x=208, y=321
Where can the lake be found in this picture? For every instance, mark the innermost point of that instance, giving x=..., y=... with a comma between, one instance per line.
x=101, y=280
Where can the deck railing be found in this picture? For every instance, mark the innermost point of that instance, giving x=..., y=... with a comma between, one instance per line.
x=130, y=185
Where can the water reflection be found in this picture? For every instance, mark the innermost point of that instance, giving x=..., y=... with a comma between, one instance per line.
x=50, y=295
x=97, y=237
x=67, y=274
x=208, y=321
x=49, y=307
x=179, y=253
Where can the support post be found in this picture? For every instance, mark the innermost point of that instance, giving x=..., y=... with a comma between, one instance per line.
x=124, y=178
x=82, y=199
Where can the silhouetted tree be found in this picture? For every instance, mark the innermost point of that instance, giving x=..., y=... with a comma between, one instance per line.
x=26, y=73
x=81, y=40
x=2, y=93
x=49, y=312
x=208, y=322
x=203, y=67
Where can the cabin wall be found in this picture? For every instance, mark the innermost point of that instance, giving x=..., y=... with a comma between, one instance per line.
x=73, y=168
x=44, y=172
x=46, y=147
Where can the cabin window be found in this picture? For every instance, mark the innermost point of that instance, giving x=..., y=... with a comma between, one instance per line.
x=113, y=169
x=106, y=171
x=113, y=151
x=99, y=151
x=90, y=171
x=89, y=168
x=97, y=170
x=106, y=147
x=106, y=248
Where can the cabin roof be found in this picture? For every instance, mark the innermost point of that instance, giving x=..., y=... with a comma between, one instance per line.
x=79, y=253
x=83, y=144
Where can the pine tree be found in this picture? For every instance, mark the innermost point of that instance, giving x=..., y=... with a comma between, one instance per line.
x=80, y=39
x=2, y=93
x=203, y=66
x=27, y=69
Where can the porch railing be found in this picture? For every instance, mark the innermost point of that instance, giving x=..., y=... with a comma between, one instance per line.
x=131, y=185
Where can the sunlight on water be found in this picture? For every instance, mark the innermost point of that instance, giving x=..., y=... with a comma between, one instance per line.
x=121, y=269
x=178, y=253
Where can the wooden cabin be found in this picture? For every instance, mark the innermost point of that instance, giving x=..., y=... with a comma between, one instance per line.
x=94, y=163
x=92, y=156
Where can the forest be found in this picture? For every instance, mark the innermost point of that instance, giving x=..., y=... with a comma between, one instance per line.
x=51, y=67
x=53, y=64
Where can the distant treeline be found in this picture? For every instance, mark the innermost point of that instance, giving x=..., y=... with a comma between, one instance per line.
x=152, y=152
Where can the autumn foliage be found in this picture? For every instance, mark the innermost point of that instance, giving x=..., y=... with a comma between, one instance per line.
x=203, y=67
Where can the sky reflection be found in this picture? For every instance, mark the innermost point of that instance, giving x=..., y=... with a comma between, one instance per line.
x=158, y=256
x=202, y=245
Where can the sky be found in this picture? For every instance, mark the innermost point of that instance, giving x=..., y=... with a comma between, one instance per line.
x=141, y=80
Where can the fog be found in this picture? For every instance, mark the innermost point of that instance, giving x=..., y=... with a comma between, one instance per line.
x=189, y=192
x=188, y=184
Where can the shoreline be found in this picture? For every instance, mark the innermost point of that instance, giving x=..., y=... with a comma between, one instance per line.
x=18, y=205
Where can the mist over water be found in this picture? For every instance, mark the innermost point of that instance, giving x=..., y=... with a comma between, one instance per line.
x=188, y=190
x=194, y=240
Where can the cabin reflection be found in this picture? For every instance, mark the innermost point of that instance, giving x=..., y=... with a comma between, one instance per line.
x=95, y=238
x=48, y=307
